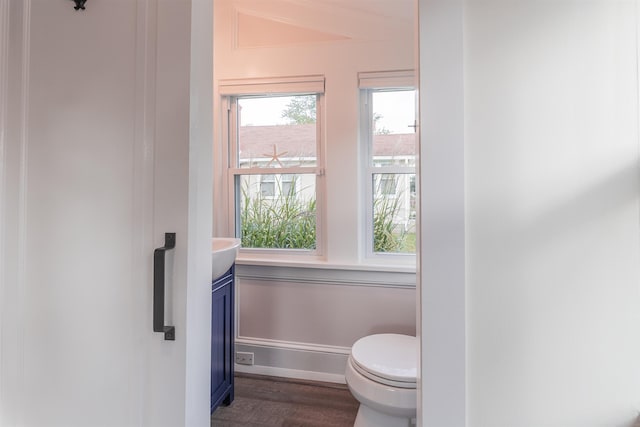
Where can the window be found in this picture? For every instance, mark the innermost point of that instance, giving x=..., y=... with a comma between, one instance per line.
x=288, y=184
x=267, y=185
x=274, y=164
x=278, y=185
x=389, y=141
x=386, y=185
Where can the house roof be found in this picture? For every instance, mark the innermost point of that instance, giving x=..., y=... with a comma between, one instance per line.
x=299, y=141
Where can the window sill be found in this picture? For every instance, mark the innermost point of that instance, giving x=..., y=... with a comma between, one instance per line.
x=321, y=272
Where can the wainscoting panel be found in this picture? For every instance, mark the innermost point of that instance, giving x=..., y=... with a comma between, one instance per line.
x=305, y=329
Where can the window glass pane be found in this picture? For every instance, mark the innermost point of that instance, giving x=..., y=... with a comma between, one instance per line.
x=394, y=213
x=277, y=131
x=285, y=219
x=394, y=138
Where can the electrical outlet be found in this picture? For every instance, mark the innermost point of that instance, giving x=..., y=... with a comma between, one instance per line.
x=244, y=358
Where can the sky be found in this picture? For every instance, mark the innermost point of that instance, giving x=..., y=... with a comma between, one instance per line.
x=397, y=110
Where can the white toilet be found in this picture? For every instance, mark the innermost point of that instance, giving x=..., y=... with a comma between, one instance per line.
x=381, y=374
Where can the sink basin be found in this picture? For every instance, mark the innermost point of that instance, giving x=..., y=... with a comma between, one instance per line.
x=223, y=254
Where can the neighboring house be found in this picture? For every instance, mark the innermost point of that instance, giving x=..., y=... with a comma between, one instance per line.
x=284, y=146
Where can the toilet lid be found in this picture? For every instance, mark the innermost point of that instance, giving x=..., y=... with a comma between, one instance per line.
x=387, y=358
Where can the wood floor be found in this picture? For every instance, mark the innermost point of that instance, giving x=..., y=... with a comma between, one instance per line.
x=262, y=401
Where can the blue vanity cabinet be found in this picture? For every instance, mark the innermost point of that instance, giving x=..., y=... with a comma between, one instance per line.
x=222, y=333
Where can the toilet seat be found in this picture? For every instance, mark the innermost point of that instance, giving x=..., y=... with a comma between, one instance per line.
x=389, y=359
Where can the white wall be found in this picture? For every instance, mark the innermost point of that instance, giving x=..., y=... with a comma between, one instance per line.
x=552, y=213
x=198, y=351
x=271, y=299
x=339, y=61
x=441, y=301
x=551, y=207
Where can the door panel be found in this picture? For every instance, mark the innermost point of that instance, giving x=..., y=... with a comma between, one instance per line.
x=96, y=155
x=78, y=289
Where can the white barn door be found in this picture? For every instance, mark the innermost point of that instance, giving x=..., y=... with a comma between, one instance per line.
x=103, y=150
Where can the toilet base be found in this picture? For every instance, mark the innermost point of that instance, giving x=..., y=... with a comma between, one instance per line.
x=368, y=417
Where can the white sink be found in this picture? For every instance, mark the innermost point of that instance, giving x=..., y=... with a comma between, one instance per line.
x=223, y=254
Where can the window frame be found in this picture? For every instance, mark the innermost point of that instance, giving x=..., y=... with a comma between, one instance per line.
x=370, y=83
x=230, y=92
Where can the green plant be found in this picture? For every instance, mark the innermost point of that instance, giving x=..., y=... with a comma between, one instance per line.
x=285, y=221
x=387, y=235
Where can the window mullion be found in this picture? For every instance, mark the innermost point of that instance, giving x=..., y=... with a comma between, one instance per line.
x=277, y=171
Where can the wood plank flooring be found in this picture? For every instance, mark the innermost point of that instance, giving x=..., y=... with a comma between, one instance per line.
x=262, y=401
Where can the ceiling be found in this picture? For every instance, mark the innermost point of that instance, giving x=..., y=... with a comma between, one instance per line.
x=352, y=19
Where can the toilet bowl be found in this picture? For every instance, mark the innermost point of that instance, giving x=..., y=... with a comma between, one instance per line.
x=381, y=375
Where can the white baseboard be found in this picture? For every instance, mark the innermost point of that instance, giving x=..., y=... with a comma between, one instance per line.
x=291, y=373
x=294, y=360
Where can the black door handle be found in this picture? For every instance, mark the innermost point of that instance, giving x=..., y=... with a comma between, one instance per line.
x=158, y=288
